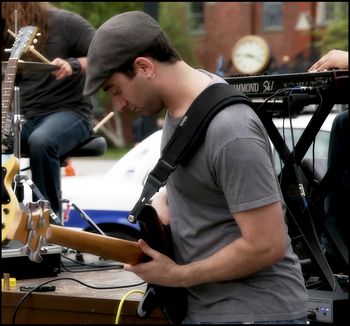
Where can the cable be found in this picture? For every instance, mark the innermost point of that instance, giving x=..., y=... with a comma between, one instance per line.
x=69, y=279
x=94, y=267
x=117, y=317
x=272, y=96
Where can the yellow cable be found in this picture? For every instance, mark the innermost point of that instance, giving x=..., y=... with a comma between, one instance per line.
x=117, y=317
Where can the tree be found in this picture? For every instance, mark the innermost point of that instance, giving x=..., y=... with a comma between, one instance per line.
x=336, y=35
x=98, y=12
x=173, y=16
x=175, y=19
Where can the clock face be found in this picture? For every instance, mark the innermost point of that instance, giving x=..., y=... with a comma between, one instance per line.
x=250, y=55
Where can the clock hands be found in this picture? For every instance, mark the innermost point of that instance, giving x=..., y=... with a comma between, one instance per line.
x=249, y=55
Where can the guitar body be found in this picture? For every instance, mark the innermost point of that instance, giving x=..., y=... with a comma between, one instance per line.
x=9, y=203
x=171, y=300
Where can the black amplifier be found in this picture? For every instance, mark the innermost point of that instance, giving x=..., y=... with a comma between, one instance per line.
x=18, y=264
x=327, y=307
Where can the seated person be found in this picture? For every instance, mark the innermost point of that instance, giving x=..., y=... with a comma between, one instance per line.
x=57, y=116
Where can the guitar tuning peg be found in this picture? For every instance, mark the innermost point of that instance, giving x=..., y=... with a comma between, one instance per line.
x=7, y=50
x=35, y=41
x=38, y=34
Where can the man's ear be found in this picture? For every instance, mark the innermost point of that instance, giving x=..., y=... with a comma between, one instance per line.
x=144, y=65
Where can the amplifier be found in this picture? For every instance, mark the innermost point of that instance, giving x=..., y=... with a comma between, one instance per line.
x=19, y=265
x=327, y=307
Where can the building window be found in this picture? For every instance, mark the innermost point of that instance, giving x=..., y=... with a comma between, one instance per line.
x=272, y=16
x=330, y=11
x=197, y=16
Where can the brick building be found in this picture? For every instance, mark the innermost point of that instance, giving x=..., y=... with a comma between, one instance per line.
x=287, y=27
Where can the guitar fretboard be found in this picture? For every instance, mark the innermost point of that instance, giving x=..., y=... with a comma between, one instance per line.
x=7, y=91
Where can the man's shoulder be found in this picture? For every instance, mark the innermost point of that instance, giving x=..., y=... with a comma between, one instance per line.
x=65, y=16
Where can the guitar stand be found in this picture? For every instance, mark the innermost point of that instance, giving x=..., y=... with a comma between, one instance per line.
x=79, y=256
x=54, y=219
x=19, y=178
x=84, y=216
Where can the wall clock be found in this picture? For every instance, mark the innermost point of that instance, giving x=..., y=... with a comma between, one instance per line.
x=251, y=55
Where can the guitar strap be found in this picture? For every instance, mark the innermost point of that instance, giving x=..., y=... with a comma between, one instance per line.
x=187, y=137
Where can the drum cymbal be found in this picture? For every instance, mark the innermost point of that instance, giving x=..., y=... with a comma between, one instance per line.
x=30, y=67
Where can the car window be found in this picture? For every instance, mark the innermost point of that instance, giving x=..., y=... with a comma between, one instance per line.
x=317, y=153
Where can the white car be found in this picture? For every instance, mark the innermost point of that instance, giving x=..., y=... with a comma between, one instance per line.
x=107, y=200
x=317, y=154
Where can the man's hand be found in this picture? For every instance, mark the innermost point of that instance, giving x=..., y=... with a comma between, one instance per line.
x=333, y=59
x=65, y=69
x=160, y=270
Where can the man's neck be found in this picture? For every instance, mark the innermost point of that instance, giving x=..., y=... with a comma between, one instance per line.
x=181, y=84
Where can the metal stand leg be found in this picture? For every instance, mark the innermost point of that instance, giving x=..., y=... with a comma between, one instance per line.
x=54, y=219
x=17, y=124
x=85, y=216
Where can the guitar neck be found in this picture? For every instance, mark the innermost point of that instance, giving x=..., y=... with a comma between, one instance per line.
x=22, y=42
x=120, y=250
x=7, y=90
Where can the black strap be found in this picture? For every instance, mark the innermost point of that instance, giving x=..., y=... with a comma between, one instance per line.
x=187, y=137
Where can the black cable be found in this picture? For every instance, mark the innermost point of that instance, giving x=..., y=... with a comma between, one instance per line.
x=97, y=268
x=69, y=279
x=282, y=90
x=291, y=126
x=282, y=159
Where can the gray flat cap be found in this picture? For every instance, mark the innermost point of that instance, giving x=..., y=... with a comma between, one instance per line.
x=118, y=40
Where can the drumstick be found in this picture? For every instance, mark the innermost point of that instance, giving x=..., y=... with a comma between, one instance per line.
x=103, y=121
x=31, y=49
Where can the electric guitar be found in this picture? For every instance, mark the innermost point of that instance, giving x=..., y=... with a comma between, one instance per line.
x=32, y=228
x=9, y=204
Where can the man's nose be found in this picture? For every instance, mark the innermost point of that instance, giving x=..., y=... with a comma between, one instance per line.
x=119, y=103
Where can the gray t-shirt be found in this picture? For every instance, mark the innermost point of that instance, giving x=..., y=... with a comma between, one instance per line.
x=231, y=172
x=69, y=36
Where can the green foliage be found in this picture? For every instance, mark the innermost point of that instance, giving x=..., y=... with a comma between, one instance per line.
x=173, y=16
x=114, y=153
x=336, y=35
x=98, y=12
x=175, y=19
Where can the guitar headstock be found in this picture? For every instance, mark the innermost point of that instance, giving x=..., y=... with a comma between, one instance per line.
x=30, y=228
x=21, y=44
x=23, y=40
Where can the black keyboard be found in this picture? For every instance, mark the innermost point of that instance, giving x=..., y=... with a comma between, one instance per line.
x=334, y=82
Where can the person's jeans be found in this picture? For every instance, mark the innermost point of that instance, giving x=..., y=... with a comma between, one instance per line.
x=46, y=139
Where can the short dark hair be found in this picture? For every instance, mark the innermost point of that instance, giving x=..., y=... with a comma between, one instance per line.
x=161, y=50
